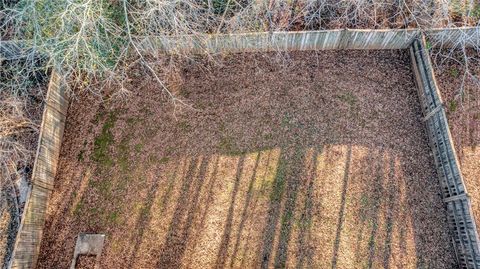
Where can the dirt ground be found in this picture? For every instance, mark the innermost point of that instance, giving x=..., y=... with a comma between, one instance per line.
x=464, y=121
x=85, y=262
x=303, y=160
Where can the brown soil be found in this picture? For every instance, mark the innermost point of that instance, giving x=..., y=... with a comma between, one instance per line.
x=302, y=160
x=85, y=262
x=464, y=120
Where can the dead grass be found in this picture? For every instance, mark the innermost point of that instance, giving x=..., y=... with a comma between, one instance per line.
x=301, y=160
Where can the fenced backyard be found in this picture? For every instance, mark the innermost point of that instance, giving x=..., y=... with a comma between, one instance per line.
x=287, y=166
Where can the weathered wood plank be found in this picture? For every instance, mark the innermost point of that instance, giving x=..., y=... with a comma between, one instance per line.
x=28, y=241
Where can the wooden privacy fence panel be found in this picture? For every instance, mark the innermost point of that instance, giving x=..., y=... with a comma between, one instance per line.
x=307, y=40
x=455, y=37
x=457, y=201
x=27, y=243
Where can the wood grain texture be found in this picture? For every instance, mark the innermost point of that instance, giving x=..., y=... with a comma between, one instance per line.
x=27, y=244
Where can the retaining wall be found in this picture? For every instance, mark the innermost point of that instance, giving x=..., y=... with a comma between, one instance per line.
x=459, y=213
x=463, y=228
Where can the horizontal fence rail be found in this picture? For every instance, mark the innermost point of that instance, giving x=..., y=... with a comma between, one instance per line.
x=459, y=213
x=27, y=243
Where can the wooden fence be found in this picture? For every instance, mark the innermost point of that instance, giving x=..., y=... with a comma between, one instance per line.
x=309, y=40
x=28, y=240
x=454, y=38
x=455, y=196
x=27, y=244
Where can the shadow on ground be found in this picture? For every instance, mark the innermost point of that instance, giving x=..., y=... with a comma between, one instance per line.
x=327, y=168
